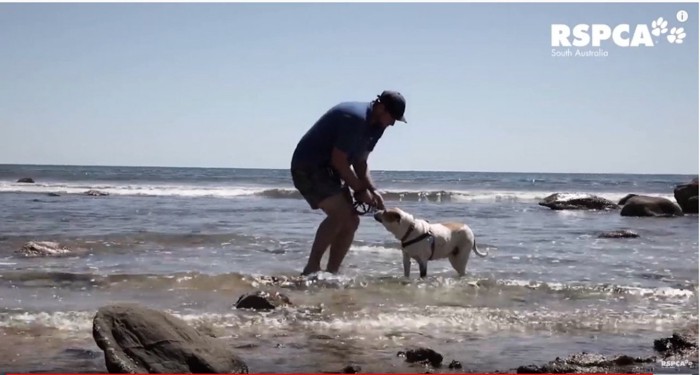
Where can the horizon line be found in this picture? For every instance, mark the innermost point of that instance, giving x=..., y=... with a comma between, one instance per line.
x=371, y=170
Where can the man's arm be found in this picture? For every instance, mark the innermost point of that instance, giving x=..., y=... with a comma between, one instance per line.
x=363, y=173
x=339, y=161
x=362, y=170
x=343, y=144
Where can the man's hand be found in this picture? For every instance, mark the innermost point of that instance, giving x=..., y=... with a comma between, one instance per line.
x=378, y=200
x=365, y=197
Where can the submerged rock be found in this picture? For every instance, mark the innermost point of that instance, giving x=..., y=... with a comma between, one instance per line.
x=96, y=193
x=619, y=234
x=422, y=356
x=349, y=369
x=261, y=300
x=136, y=339
x=42, y=249
x=352, y=369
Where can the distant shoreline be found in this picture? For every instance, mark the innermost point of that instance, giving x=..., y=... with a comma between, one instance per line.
x=372, y=170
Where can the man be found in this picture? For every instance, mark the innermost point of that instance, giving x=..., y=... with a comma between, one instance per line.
x=333, y=151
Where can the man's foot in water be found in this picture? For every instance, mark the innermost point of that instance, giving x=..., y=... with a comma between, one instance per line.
x=309, y=270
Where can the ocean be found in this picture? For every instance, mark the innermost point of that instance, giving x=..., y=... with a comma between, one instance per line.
x=190, y=241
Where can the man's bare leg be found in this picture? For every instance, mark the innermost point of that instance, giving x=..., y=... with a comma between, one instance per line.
x=341, y=243
x=325, y=233
x=328, y=230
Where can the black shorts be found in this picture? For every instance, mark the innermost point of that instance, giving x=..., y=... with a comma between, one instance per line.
x=317, y=184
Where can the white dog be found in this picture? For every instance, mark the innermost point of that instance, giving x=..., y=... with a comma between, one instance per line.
x=423, y=241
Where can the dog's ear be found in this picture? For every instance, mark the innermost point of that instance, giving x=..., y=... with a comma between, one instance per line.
x=393, y=216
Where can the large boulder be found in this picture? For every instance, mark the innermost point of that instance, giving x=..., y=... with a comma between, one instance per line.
x=26, y=180
x=562, y=201
x=642, y=205
x=687, y=196
x=136, y=339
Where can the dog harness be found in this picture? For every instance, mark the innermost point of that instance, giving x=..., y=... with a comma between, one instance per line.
x=429, y=233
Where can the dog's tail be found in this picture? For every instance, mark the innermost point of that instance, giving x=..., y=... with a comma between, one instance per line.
x=479, y=252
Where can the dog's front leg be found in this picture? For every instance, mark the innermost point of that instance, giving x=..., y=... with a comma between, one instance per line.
x=423, y=266
x=406, y=265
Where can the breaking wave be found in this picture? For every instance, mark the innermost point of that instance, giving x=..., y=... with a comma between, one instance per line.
x=287, y=192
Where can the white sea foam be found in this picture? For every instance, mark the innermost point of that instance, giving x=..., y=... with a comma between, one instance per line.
x=375, y=249
x=653, y=293
x=60, y=320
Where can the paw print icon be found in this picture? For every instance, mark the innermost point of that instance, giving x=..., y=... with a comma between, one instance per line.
x=676, y=35
x=658, y=26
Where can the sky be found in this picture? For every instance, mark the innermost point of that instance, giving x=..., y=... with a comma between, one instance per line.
x=237, y=85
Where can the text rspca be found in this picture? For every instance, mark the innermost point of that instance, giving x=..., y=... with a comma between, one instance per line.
x=583, y=35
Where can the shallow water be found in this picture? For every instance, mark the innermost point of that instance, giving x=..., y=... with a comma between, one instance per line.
x=191, y=241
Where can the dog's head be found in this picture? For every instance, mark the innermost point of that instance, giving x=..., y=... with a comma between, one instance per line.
x=395, y=220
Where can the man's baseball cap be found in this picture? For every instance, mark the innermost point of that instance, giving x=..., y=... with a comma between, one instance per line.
x=394, y=103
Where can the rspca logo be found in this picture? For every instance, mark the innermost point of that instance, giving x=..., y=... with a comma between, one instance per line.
x=589, y=39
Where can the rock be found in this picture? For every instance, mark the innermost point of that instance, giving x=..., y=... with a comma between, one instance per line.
x=681, y=345
x=619, y=234
x=455, y=365
x=42, y=249
x=681, y=348
x=26, y=180
x=96, y=193
x=262, y=300
x=53, y=195
x=422, y=356
x=642, y=205
x=687, y=196
x=351, y=369
x=587, y=363
x=560, y=201
x=136, y=339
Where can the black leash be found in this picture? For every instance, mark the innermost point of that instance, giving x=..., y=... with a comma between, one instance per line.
x=363, y=208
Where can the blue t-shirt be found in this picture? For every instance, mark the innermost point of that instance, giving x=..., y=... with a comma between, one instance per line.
x=345, y=126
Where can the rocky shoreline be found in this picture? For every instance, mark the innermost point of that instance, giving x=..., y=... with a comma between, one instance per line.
x=137, y=339
x=633, y=205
